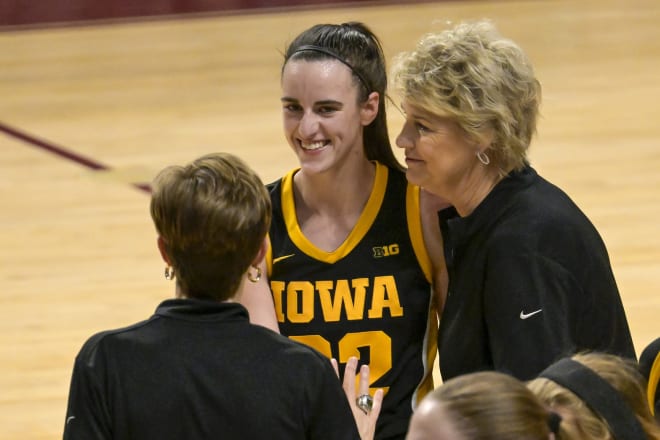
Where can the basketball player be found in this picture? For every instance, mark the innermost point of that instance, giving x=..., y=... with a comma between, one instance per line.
x=355, y=249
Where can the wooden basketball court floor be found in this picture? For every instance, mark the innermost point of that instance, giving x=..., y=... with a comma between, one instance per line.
x=87, y=114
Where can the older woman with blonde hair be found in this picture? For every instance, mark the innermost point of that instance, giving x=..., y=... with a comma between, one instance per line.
x=529, y=276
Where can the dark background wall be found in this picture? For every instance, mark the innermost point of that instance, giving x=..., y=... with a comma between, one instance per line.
x=36, y=12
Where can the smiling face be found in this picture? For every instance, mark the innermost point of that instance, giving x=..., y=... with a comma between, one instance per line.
x=323, y=121
x=439, y=154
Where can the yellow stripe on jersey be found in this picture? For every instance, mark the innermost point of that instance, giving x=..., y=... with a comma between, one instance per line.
x=431, y=349
x=654, y=378
x=415, y=230
x=269, y=257
x=414, y=218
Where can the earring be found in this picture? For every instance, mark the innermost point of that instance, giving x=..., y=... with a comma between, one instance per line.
x=483, y=157
x=254, y=278
x=169, y=273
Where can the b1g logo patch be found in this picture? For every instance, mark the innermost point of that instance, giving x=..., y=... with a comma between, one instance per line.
x=385, y=251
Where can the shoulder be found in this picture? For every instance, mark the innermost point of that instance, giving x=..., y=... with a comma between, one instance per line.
x=534, y=212
x=292, y=358
x=274, y=187
x=99, y=344
x=289, y=349
x=393, y=175
x=544, y=202
x=281, y=190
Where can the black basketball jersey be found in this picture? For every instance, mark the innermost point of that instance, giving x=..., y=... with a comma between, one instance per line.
x=370, y=298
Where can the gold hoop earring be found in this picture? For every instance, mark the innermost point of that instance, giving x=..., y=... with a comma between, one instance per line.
x=169, y=273
x=483, y=157
x=254, y=278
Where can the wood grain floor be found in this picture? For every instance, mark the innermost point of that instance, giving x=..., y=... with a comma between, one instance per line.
x=77, y=248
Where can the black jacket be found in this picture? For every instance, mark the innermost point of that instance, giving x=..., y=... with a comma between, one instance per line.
x=529, y=281
x=199, y=370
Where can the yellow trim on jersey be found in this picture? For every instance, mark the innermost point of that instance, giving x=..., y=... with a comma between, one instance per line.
x=654, y=377
x=427, y=384
x=414, y=220
x=414, y=217
x=269, y=258
x=359, y=230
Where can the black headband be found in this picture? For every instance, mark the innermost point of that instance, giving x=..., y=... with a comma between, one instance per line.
x=599, y=395
x=323, y=50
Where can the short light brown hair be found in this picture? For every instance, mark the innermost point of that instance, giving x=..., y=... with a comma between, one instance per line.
x=481, y=80
x=491, y=405
x=213, y=216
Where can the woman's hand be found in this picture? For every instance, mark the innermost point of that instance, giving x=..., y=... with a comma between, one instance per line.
x=364, y=419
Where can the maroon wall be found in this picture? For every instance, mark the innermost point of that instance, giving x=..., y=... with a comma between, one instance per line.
x=41, y=12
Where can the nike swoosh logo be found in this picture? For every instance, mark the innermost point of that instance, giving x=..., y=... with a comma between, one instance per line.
x=69, y=419
x=283, y=257
x=524, y=315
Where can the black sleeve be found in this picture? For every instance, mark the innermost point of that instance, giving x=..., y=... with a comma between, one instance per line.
x=531, y=308
x=331, y=417
x=87, y=417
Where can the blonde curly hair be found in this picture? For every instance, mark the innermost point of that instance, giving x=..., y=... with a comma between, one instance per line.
x=483, y=81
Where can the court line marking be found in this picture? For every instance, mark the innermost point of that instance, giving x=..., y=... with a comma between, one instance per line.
x=64, y=153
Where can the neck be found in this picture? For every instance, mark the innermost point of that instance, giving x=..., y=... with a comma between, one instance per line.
x=474, y=189
x=335, y=191
x=179, y=293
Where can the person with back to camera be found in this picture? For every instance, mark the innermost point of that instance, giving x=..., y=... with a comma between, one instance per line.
x=355, y=249
x=603, y=394
x=197, y=368
x=529, y=276
x=486, y=405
